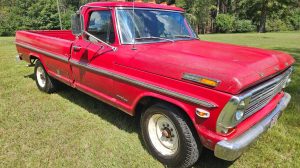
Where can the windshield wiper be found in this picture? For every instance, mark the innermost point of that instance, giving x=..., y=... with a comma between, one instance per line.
x=152, y=37
x=184, y=36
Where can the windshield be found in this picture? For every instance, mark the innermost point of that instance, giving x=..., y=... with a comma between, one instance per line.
x=152, y=26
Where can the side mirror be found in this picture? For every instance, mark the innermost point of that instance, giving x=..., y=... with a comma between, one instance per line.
x=76, y=25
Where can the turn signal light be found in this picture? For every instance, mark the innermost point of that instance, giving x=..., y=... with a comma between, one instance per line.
x=202, y=113
x=208, y=82
x=228, y=131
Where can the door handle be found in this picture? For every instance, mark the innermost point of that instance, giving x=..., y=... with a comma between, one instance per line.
x=76, y=48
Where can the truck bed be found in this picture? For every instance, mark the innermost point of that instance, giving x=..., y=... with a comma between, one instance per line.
x=57, y=42
x=52, y=48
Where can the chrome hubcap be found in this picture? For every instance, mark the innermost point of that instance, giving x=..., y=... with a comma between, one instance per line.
x=41, y=76
x=163, y=134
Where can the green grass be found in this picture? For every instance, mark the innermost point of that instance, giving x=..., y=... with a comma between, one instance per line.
x=71, y=129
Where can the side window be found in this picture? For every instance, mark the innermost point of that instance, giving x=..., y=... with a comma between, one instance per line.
x=100, y=25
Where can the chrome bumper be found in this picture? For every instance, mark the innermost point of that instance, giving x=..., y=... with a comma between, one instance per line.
x=232, y=149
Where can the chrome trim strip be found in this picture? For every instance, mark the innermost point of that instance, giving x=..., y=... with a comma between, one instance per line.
x=145, y=85
x=231, y=149
x=147, y=8
x=43, y=52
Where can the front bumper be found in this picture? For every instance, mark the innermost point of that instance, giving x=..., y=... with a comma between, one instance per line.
x=232, y=149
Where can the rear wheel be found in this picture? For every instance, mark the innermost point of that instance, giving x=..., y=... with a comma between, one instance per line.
x=168, y=137
x=43, y=81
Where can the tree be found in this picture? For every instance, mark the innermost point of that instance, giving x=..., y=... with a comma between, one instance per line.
x=259, y=11
x=198, y=12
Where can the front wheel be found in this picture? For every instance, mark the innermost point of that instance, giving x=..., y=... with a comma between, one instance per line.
x=168, y=137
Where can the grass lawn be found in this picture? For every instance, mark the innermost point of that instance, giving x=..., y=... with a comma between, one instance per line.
x=71, y=129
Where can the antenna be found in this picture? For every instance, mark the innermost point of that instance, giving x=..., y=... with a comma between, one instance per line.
x=134, y=35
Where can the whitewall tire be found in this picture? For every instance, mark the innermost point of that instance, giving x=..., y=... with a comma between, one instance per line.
x=168, y=136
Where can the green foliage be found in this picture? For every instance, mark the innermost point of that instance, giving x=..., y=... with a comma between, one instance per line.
x=225, y=23
x=263, y=12
x=276, y=25
x=294, y=20
x=242, y=26
x=36, y=14
x=66, y=18
x=45, y=15
x=197, y=12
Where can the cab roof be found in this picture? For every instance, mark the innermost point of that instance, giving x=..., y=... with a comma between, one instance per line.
x=136, y=4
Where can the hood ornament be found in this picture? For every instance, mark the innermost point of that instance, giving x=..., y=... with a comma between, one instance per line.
x=286, y=64
x=261, y=74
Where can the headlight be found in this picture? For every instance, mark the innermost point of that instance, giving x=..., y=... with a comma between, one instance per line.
x=240, y=111
x=239, y=115
x=232, y=114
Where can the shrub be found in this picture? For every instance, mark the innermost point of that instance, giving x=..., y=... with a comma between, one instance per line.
x=275, y=25
x=242, y=26
x=224, y=23
x=294, y=20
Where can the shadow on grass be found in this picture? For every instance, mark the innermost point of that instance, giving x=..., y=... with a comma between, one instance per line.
x=208, y=160
x=123, y=121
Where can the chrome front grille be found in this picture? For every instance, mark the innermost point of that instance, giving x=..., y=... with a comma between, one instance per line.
x=260, y=96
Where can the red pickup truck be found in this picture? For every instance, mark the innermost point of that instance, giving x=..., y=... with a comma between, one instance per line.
x=145, y=60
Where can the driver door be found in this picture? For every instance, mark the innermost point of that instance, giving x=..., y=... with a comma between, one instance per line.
x=90, y=56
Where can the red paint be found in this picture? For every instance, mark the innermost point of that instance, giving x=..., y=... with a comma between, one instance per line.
x=160, y=64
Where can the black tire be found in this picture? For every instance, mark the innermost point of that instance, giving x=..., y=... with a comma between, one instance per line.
x=188, y=150
x=49, y=86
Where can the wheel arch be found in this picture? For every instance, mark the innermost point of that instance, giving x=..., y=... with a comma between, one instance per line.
x=33, y=57
x=148, y=99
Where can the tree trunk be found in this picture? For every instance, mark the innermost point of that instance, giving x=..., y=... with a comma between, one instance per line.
x=197, y=29
x=218, y=7
x=263, y=17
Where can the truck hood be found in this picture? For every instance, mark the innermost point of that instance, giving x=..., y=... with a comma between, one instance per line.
x=237, y=67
